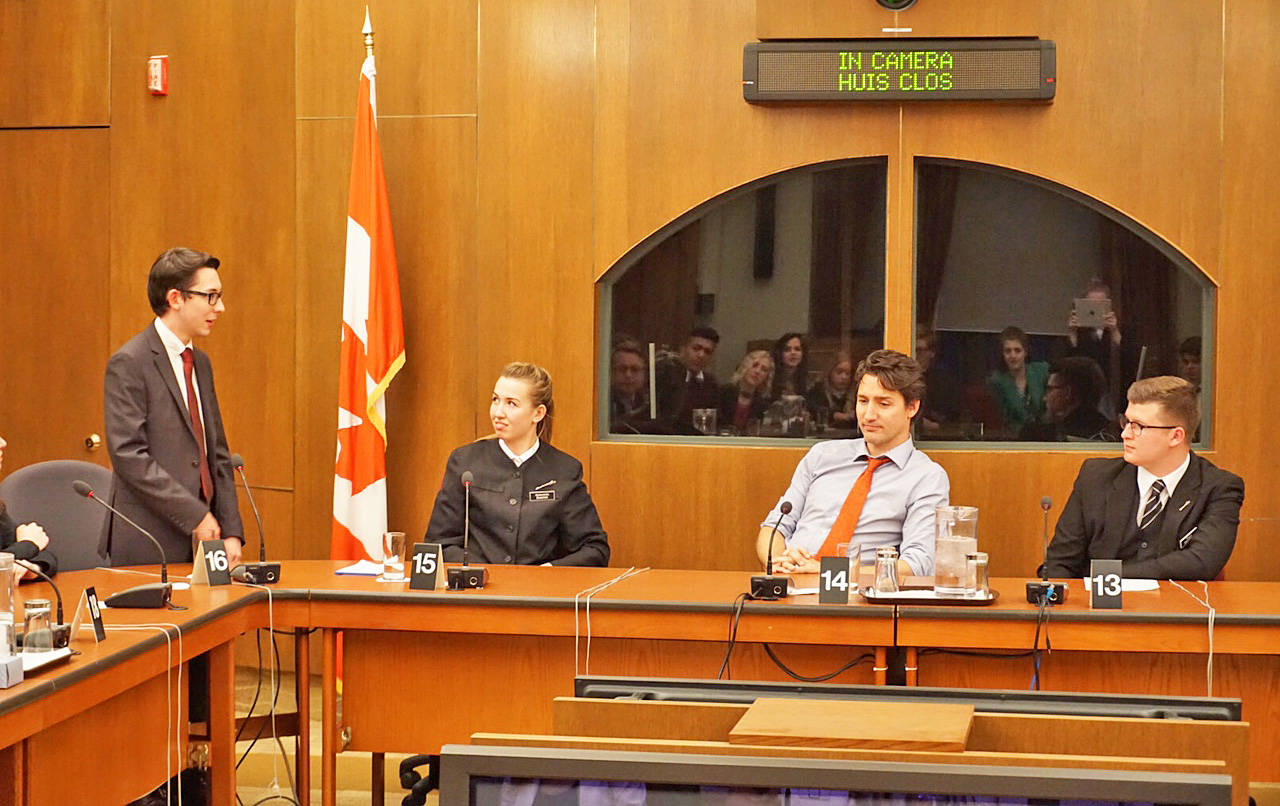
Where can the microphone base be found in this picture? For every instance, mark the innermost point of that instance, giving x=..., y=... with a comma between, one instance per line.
x=257, y=573
x=467, y=577
x=1055, y=591
x=152, y=596
x=769, y=588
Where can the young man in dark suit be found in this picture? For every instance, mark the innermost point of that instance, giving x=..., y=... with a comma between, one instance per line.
x=1167, y=513
x=173, y=472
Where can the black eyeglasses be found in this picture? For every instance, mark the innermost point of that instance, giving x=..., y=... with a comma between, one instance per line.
x=213, y=297
x=1138, y=427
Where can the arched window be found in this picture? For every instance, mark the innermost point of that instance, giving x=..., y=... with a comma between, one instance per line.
x=1037, y=306
x=693, y=318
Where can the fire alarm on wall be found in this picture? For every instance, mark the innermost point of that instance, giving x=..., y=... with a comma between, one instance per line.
x=158, y=75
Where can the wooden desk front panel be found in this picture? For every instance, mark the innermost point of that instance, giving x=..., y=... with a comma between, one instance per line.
x=460, y=684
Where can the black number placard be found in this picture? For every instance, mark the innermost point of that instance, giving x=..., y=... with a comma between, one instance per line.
x=425, y=565
x=833, y=580
x=1105, y=584
x=217, y=565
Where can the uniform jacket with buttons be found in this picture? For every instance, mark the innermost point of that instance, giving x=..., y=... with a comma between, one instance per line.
x=1099, y=522
x=528, y=515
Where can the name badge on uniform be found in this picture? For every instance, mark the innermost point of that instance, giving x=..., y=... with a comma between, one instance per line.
x=542, y=495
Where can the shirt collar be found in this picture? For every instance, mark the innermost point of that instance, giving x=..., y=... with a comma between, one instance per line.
x=172, y=344
x=1146, y=478
x=522, y=458
x=690, y=375
x=899, y=455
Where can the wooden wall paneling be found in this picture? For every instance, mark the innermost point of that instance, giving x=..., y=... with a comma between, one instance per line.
x=687, y=506
x=53, y=285
x=211, y=166
x=425, y=55
x=1247, y=388
x=1150, y=153
x=323, y=172
x=534, y=295
x=431, y=407
x=54, y=63
x=276, y=508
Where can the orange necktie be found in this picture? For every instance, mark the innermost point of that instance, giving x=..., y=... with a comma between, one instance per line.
x=847, y=520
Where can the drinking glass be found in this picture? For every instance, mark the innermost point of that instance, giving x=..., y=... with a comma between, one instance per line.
x=394, y=547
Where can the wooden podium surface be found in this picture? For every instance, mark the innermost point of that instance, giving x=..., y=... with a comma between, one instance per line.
x=492, y=660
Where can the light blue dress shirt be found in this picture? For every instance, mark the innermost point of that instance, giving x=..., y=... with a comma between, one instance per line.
x=899, y=507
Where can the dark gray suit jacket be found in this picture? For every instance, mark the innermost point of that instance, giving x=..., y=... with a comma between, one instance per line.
x=156, y=458
x=1099, y=523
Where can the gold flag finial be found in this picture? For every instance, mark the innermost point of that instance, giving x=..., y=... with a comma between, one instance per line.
x=368, y=33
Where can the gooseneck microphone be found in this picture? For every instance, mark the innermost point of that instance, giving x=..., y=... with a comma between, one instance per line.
x=464, y=576
x=261, y=572
x=1044, y=591
x=768, y=586
x=151, y=595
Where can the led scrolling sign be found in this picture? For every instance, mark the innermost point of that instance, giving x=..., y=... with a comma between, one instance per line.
x=900, y=70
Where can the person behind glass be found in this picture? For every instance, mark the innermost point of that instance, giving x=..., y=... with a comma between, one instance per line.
x=876, y=491
x=744, y=399
x=1019, y=385
x=1102, y=344
x=529, y=504
x=942, y=405
x=832, y=394
x=27, y=542
x=1189, y=360
x=687, y=384
x=629, y=390
x=1164, y=511
x=1071, y=404
x=791, y=366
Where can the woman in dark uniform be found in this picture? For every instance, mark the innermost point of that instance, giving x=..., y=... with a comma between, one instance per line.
x=529, y=505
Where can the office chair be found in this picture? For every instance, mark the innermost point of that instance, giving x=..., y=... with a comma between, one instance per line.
x=42, y=493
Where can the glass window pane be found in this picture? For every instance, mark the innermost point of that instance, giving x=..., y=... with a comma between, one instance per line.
x=1037, y=306
x=729, y=321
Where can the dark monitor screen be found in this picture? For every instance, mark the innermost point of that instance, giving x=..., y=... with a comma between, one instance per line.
x=1066, y=703
x=535, y=776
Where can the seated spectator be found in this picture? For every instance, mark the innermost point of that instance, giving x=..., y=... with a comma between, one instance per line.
x=1071, y=404
x=744, y=399
x=27, y=542
x=941, y=404
x=1019, y=386
x=629, y=390
x=687, y=384
x=791, y=366
x=832, y=394
x=1189, y=360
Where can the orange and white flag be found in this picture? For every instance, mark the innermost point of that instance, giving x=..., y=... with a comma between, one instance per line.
x=372, y=349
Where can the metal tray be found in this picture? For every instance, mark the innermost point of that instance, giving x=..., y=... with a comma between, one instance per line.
x=925, y=598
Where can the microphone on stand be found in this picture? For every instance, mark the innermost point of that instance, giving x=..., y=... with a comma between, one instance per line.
x=1045, y=591
x=261, y=572
x=464, y=577
x=151, y=595
x=771, y=587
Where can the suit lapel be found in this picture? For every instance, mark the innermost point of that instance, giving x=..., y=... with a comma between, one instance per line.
x=1181, y=504
x=1120, y=498
x=160, y=359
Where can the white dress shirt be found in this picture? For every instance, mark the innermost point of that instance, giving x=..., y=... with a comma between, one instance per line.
x=174, y=347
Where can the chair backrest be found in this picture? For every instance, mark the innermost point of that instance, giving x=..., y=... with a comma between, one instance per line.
x=42, y=493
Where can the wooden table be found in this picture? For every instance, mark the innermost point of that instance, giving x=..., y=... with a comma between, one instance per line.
x=425, y=668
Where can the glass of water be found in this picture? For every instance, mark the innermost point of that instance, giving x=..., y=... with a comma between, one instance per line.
x=955, y=535
x=394, y=548
x=704, y=421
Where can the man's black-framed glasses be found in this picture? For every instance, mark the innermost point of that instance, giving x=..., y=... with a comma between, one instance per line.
x=213, y=297
x=1138, y=427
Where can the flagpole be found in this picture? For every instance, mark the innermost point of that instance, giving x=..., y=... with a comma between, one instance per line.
x=368, y=33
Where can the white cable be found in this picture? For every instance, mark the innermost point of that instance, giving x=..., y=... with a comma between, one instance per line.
x=588, y=593
x=271, y=632
x=163, y=629
x=1205, y=601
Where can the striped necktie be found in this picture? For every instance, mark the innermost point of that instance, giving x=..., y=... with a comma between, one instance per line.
x=1155, y=504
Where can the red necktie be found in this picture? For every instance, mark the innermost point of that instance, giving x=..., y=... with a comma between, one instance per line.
x=847, y=520
x=193, y=409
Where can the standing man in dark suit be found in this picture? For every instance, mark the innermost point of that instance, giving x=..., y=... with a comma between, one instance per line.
x=173, y=472
x=688, y=384
x=1167, y=513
